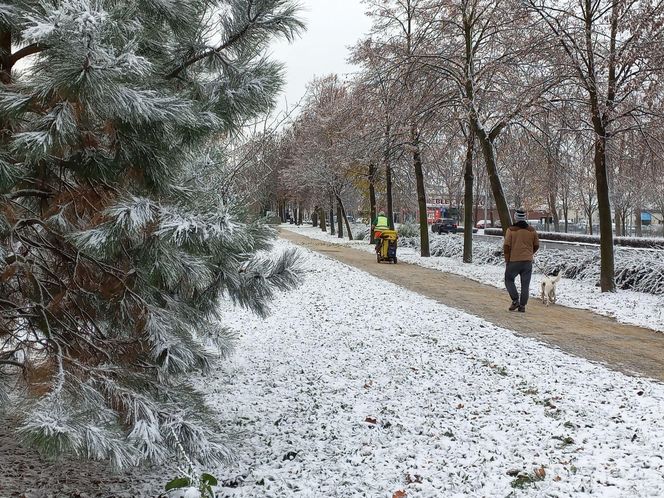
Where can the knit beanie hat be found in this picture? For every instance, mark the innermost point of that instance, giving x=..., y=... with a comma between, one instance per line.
x=520, y=215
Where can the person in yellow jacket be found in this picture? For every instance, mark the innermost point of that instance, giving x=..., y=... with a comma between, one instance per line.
x=378, y=224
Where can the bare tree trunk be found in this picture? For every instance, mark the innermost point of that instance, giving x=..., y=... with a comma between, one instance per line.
x=321, y=214
x=489, y=152
x=332, y=229
x=314, y=217
x=607, y=268
x=637, y=222
x=340, y=226
x=421, y=194
x=299, y=214
x=372, y=199
x=554, y=211
x=388, y=177
x=617, y=222
x=468, y=199
x=343, y=213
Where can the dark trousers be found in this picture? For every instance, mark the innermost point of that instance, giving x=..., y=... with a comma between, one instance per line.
x=524, y=269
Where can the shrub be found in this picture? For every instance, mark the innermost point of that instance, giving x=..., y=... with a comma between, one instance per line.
x=637, y=242
x=637, y=270
x=409, y=229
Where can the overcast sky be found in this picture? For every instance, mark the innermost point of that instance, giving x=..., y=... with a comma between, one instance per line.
x=332, y=27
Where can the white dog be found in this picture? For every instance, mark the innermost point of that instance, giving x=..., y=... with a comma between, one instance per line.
x=549, y=289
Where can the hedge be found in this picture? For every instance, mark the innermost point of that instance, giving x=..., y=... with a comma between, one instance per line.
x=641, y=271
x=637, y=242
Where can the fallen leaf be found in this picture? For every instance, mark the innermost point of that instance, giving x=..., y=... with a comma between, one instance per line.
x=368, y=384
x=371, y=420
x=459, y=406
x=413, y=479
x=540, y=473
x=557, y=478
x=399, y=494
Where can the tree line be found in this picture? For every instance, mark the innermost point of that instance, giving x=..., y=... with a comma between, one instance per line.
x=552, y=103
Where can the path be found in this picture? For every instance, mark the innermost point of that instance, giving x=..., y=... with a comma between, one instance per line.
x=629, y=349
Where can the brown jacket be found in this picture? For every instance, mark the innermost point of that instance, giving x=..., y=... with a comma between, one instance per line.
x=521, y=243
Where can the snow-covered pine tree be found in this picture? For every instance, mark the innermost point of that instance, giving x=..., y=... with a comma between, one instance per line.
x=114, y=246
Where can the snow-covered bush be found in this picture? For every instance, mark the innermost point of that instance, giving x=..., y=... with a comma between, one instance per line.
x=637, y=270
x=409, y=229
x=637, y=242
x=360, y=232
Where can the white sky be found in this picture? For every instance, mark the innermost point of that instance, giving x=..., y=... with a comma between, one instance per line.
x=332, y=27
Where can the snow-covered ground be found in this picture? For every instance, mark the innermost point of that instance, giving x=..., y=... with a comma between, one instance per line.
x=635, y=308
x=342, y=397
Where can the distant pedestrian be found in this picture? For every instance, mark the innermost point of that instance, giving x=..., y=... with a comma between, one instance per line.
x=521, y=244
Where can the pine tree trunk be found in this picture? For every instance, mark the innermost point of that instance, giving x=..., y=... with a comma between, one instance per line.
x=469, y=179
x=5, y=57
x=421, y=194
x=340, y=221
x=489, y=152
x=607, y=268
x=372, y=199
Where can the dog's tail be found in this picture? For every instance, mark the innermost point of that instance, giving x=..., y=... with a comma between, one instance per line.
x=558, y=277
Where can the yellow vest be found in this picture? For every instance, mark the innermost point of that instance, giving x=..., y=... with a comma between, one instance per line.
x=381, y=222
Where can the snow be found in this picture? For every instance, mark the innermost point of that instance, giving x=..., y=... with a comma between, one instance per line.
x=354, y=386
x=634, y=308
x=337, y=400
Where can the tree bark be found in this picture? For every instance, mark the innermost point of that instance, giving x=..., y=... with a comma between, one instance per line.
x=5, y=57
x=617, y=222
x=332, y=229
x=469, y=179
x=372, y=199
x=321, y=214
x=607, y=268
x=314, y=217
x=489, y=152
x=637, y=222
x=554, y=211
x=343, y=213
x=421, y=193
x=340, y=221
x=299, y=214
x=388, y=177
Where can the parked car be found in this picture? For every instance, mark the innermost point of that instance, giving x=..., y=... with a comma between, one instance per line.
x=483, y=224
x=444, y=225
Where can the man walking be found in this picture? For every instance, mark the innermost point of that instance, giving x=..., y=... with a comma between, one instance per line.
x=521, y=243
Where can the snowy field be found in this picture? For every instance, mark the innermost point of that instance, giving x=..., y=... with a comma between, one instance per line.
x=337, y=401
x=634, y=308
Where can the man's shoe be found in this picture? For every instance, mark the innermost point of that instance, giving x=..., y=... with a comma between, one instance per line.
x=514, y=306
x=522, y=309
